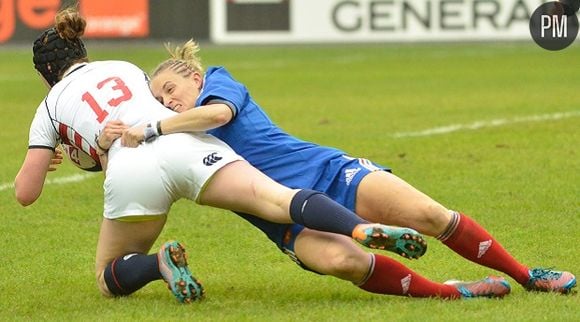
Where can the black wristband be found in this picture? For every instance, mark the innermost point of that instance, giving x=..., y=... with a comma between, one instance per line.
x=99, y=146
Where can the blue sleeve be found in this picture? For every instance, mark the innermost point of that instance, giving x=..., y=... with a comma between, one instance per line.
x=220, y=86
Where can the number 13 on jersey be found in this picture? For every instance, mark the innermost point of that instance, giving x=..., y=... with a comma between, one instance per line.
x=121, y=94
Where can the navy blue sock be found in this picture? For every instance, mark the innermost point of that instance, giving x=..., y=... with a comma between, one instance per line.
x=316, y=210
x=125, y=275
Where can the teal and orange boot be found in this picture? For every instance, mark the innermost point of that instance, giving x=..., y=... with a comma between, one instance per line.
x=173, y=266
x=402, y=241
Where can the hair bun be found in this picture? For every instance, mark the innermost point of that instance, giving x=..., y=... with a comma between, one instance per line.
x=70, y=24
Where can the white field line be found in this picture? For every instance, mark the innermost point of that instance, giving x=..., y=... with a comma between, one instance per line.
x=61, y=180
x=487, y=124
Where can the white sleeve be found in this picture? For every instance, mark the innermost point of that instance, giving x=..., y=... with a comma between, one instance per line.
x=42, y=133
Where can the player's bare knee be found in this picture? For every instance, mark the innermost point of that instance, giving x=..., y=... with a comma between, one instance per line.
x=102, y=285
x=348, y=265
x=432, y=218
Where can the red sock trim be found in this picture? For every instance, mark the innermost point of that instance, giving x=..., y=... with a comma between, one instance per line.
x=451, y=227
x=115, y=275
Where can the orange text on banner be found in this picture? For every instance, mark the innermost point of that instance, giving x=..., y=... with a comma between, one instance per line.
x=113, y=18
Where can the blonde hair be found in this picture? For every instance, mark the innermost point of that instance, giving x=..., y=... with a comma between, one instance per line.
x=184, y=60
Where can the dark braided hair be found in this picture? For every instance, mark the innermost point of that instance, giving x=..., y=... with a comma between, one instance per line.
x=60, y=47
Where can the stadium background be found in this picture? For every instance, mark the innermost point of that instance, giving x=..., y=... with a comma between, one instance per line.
x=488, y=125
x=280, y=21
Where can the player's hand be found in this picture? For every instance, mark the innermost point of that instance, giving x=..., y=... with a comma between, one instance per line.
x=134, y=136
x=56, y=159
x=112, y=131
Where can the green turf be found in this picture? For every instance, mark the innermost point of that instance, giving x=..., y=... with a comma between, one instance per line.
x=520, y=180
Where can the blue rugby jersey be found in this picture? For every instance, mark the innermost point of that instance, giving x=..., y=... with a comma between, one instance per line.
x=251, y=133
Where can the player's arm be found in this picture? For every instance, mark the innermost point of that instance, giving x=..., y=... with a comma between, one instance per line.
x=29, y=181
x=197, y=119
x=112, y=131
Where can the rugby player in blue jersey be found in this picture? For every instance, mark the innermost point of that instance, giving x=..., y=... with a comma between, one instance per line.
x=215, y=102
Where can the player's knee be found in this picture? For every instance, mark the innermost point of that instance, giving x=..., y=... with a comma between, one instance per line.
x=348, y=265
x=102, y=285
x=432, y=219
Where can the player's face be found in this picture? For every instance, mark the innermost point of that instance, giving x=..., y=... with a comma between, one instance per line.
x=176, y=92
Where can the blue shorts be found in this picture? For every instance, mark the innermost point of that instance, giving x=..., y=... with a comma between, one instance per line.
x=340, y=181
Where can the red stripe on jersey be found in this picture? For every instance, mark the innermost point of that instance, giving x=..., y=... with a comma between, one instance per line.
x=78, y=140
x=93, y=153
x=63, y=131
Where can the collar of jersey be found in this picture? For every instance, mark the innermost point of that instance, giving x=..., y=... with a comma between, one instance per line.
x=74, y=68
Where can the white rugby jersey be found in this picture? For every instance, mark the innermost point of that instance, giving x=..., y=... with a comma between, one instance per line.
x=77, y=108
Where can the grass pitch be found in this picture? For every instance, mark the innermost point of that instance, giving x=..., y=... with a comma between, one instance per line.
x=489, y=129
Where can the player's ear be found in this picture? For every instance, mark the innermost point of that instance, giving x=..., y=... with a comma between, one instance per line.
x=197, y=79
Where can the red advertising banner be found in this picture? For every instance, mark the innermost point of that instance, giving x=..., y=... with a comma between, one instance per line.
x=21, y=21
x=116, y=19
x=33, y=14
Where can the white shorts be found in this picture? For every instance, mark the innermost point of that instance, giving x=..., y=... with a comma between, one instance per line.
x=147, y=180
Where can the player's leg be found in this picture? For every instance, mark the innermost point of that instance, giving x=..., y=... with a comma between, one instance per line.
x=124, y=266
x=331, y=254
x=383, y=197
x=338, y=256
x=134, y=185
x=121, y=246
x=240, y=187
